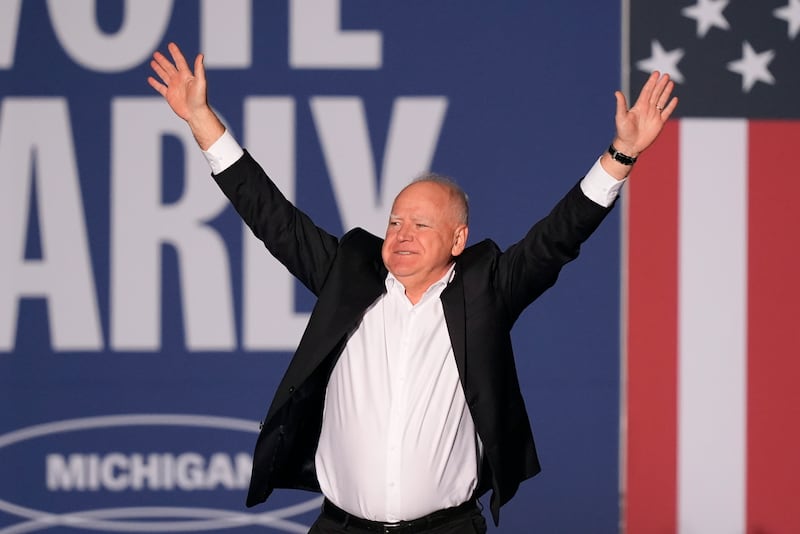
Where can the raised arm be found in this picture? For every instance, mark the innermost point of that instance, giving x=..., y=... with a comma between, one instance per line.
x=186, y=93
x=306, y=250
x=532, y=265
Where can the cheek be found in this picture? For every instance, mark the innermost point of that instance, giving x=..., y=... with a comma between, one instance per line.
x=385, y=249
x=440, y=245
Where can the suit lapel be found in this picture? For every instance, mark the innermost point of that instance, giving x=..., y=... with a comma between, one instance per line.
x=453, y=304
x=337, y=313
x=351, y=301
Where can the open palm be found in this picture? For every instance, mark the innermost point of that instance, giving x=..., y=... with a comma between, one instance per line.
x=184, y=91
x=639, y=126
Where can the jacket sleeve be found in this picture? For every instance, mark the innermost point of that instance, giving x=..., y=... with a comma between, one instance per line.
x=531, y=266
x=290, y=235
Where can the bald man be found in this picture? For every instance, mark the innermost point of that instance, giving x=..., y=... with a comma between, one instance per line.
x=401, y=404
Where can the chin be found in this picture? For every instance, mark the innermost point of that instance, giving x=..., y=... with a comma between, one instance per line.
x=402, y=263
x=400, y=271
x=397, y=271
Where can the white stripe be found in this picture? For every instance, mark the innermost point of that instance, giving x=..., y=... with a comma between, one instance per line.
x=712, y=326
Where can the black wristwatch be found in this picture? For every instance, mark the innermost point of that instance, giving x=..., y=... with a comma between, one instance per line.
x=620, y=157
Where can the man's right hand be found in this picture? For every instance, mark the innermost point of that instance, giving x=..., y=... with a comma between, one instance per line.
x=186, y=93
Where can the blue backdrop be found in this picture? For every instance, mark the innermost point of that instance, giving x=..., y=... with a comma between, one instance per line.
x=133, y=367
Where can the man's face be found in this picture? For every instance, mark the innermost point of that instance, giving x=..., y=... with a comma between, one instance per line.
x=423, y=235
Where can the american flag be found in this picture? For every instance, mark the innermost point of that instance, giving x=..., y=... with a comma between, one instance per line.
x=712, y=298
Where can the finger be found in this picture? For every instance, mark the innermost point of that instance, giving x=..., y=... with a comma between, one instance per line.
x=159, y=71
x=161, y=88
x=646, y=93
x=653, y=88
x=670, y=108
x=664, y=96
x=199, y=68
x=166, y=65
x=177, y=55
x=658, y=90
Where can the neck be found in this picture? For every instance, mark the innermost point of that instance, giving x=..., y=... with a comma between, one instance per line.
x=415, y=290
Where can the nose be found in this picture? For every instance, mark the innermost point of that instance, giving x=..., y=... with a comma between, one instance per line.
x=404, y=233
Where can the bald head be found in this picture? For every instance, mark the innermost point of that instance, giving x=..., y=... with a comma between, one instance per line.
x=458, y=199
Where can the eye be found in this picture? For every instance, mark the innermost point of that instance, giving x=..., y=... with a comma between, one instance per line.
x=421, y=225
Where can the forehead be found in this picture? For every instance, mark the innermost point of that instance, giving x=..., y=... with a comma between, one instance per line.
x=422, y=196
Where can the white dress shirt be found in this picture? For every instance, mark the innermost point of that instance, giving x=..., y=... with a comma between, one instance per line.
x=397, y=439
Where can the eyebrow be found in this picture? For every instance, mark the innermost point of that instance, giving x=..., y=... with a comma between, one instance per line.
x=413, y=218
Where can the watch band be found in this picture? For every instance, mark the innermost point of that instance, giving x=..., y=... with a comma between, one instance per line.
x=620, y=157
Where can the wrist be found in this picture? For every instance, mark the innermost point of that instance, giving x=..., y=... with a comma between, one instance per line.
x=206, y=127
x=621, y=157
x=626, y=148
x=613, y=167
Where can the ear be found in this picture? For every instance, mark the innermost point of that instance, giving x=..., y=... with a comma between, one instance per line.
x=459, y=240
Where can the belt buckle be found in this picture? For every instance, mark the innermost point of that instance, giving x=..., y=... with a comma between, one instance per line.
x=391, y=528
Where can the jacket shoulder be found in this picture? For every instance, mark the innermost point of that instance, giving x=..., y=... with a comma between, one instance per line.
x=358, y=237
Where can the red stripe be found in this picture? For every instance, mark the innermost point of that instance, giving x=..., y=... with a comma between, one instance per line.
x=652, y=224
x=773, y=433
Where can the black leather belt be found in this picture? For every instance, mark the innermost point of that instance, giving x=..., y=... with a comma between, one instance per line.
x=421, y=524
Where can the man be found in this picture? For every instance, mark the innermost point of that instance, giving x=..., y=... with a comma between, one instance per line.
x=401, y=404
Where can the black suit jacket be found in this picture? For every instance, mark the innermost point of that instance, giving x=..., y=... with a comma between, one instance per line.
x=489, y=290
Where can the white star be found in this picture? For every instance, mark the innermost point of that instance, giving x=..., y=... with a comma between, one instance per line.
x=708, y=14
x=791, y=14
x=662, y=61
x=753, y=67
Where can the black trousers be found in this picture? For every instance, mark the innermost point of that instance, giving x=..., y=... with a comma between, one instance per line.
x=470, y=522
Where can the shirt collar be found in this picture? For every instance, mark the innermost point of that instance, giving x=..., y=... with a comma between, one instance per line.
x=393, y=284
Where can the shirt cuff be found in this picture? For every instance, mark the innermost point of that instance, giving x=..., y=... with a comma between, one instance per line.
x=223, y=153
x=601, y=187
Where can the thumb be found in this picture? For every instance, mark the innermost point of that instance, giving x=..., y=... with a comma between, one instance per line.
x=199, y=68
x=622, y=105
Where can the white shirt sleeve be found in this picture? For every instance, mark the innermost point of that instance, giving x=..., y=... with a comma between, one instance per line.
x=601, y=187
x=223, y=153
